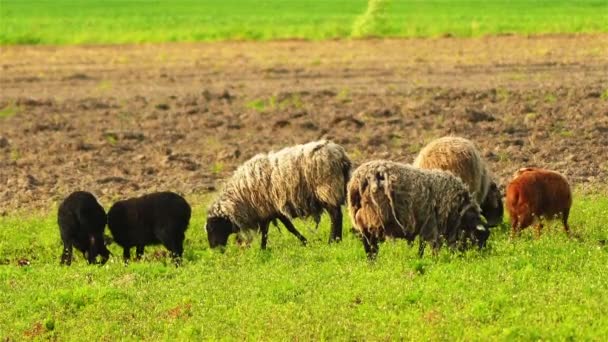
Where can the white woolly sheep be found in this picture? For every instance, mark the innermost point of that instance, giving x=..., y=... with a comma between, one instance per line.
x=462, y=158
x=391, y=199
x=298, y=181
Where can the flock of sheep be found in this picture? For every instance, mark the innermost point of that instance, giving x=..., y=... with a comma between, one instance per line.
x=446, y=197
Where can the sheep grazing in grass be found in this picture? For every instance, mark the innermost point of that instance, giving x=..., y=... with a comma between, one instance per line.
x=157, y=218
x=82, y=221
x=389, y=199
x=534, y=194
x=460, y=157
x=298, y=181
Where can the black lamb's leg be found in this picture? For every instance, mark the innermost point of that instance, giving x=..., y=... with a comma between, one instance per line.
x=264, y=230
x=126, y=254
x=290, y=227
x=66, y=255
x=335, y=213
x=139, y=252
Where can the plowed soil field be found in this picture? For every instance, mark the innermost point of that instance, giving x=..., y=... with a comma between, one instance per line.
x=125, y=120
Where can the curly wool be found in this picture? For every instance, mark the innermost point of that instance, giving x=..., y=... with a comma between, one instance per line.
x=394, y=199
x=461, y=157
x=295, y=182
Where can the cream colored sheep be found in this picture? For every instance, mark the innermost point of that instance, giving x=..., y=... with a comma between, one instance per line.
x=298, y=181
x=462, y=158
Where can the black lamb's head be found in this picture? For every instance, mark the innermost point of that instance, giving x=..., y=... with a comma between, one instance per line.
x=492, y=207
x=97, y=247
x=218, y=229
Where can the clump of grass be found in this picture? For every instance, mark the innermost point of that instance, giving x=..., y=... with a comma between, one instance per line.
x=550, y=98
x=272, y=103
x=8, y=111
x=372, y=21
x=344, y=95
x=217, y=168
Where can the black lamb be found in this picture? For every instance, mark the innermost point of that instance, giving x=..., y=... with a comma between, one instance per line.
x=82, y=221
x=156, y=218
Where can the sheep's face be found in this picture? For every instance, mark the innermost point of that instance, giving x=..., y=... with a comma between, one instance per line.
x=97, y=247
x=471, y=223
x=492, y=207
x=218, y=231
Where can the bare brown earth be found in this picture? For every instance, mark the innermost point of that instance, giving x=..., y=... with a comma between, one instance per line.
x=124, y=120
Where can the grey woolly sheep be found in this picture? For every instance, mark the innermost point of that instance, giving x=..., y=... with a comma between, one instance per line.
x=160, y=217
x=82, y=221
x=389, y=199
x=298, y=181
x=462, y=158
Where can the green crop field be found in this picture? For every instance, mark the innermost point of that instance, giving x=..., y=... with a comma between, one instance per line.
x=112, y=21
x=552, y=288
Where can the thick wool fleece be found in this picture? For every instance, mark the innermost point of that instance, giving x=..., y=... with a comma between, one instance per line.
x=296, y=181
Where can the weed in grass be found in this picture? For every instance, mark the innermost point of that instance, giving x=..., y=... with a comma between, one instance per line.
x=8, y=111
x=604, y=95
x=344, y=95
x=258, y=105
x=217, y=168
x=104, y=85
x=111, y=139
x=15, y=155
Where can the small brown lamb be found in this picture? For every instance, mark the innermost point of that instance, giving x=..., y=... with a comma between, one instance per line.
x=536, y=194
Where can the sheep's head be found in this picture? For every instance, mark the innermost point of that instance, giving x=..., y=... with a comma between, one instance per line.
x=471, y=223
x=218, y=230
x=492, y=207
x=97, y=247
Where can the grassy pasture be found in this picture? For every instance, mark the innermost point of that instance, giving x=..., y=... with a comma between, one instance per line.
x=119, y=21
x=552, y=288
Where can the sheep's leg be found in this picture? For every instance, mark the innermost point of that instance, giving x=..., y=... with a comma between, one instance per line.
x=514, y=227
x=126, y=254
x=177, y=248
x=290, y=227
x=335, y=213
x=538, y=228
x=565, y=215
x=66, y=255
x=421, y=246
x=139, y=252
x=370, y=244
x=264, y=230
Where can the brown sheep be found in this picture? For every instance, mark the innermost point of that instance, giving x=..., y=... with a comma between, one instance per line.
x=536, y=193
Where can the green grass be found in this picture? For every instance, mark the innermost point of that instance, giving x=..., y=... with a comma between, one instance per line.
x=137, y=21
x=552, y=288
